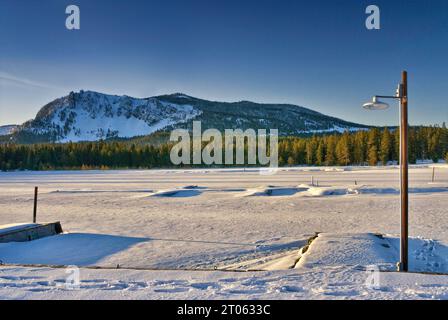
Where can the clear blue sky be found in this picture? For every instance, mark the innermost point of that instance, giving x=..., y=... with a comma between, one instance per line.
x=317, y=54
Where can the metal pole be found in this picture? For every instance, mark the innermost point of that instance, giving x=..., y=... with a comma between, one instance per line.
x=35, y=205
x=404, y=173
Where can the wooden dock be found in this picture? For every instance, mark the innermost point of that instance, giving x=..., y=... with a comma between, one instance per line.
x=28, y=231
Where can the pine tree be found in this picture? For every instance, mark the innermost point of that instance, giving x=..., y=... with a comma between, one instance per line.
x=330, y=157
x=412, y=146
x=372, y=147
x=310, y=152
x=373, y=156
x=343, y=150
x=386, y=146
x=444, y=139
x=320, y=154
x=397, y=144
x=291, y=161
x=281, y=161
x=359, y=148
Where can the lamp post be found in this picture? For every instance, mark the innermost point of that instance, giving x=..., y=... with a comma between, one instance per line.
x=402, y=96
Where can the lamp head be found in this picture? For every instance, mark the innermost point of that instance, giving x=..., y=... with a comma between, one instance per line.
x=376, y=105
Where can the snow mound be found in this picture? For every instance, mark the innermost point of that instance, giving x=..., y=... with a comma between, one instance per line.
x=367, y=249
x=276, y=256
x=329, y=191
x=80, y=249
x=349, y=249
x=186, y=191
x=305, y=190
x=271, y=191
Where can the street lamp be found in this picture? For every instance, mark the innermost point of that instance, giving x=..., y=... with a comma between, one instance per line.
x=402, y=96
x=376, y=104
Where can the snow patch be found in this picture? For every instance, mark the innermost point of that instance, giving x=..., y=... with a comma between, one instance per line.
x=7, y=130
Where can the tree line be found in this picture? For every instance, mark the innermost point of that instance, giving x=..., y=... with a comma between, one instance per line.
x=370, y=147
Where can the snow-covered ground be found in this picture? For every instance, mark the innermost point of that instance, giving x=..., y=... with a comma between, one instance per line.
x=170, y=222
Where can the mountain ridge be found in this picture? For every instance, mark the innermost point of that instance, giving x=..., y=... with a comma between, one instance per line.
x=92, y=116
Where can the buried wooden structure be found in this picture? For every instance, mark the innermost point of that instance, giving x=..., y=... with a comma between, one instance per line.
x=29, y=232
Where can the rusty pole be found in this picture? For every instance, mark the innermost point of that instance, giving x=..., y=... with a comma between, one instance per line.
x=404, y=173
x=35, y=205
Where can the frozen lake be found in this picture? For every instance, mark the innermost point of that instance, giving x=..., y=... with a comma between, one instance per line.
x=206, y=219
x=209, y=218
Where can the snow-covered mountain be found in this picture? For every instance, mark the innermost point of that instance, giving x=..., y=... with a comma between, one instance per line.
x=7, y=130
x=91, y=116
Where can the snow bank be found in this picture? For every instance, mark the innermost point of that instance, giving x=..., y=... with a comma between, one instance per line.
x=66, y=249
x=350, y=250
x=304, y=190
x=271, y=191
x=328, y=191
x=364, y=250
x=187, y=191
